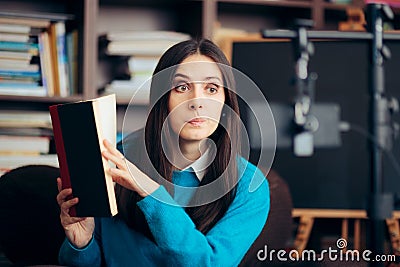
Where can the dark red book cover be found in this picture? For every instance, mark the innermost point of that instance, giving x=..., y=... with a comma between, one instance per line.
x=62, y=159
x=79, y=130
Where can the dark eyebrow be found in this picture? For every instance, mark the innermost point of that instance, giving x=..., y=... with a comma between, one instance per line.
x=180, y=75
x=177, y=75
x=211, y=78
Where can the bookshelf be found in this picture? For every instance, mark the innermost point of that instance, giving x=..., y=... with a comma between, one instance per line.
x=258, y=14
x=78, y=16
x=195, y=17
x=90, y=18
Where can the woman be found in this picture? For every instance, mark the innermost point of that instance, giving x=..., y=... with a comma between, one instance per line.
x=182, y=188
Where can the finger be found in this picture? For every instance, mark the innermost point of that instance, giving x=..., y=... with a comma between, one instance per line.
x=63, y=195
x=59, y=184
x=122, y=178
x=112, y=149
x=66, y=205
x=116, y=159
x=120, y=174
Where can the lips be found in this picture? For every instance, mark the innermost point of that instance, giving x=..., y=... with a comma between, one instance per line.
x=196, y=121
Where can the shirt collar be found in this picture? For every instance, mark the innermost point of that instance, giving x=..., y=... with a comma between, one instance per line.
x=200, y=165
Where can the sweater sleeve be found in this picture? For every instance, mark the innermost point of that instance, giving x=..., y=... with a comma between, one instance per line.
x=90, y=255
x=225, y=244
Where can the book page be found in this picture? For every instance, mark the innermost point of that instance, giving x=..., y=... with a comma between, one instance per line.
x=105, y=112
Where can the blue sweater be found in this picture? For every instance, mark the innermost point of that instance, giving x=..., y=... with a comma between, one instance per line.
x=177, y=241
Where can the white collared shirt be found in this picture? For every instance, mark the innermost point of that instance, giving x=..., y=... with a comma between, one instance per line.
x=201, y=164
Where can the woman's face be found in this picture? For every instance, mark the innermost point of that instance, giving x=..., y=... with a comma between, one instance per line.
x=196, y=99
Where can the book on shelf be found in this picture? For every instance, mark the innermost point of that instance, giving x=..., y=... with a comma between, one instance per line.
x=39, y=92
x=35, y=42
x=25, y=56
x=20, y=145
x=24, y=90
x=14, y=37
x=79, y=130
x=72, y=55
x=46, y=67
x=139, y=48
x=59, y=58
x=26, y=131
x=18, y=79
x=15, y=28
x=22, y=119
x=15, y=62
x=16, y=68
x=14, y=161
x=39, y=16
x=146, y=35
x=141, y=43
x=32, y=22
x=136, y=90
x=21, y=79
x=142, y=65
x=20, y=73
x=20, y=46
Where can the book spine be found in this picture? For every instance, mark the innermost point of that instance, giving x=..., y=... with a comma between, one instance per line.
x=62, y=59
x=53, y=59
x=37, y=23
x=19, y=46
x=14, y=28
x=14, y=37
x=15, y=55
x=62, y=158
x=72, y=55
x=48, y=70
x=42, y=64
x=31, y=74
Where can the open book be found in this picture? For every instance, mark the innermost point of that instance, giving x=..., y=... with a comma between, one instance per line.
x=79, y=130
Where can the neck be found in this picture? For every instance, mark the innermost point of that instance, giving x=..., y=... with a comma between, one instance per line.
x=189, y=152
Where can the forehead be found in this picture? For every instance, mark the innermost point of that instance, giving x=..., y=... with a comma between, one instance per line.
x=198, y=68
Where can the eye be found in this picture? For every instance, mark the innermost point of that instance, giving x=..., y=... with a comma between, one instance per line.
x=181, y=88
x=212, y=89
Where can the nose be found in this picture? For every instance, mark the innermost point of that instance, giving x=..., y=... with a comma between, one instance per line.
x=195, y=104
x=196, y=101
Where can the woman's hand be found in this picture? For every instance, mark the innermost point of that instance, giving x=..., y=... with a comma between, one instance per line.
x=127, y=174
x=79, y=231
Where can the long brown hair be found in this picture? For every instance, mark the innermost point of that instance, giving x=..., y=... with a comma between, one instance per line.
x=150, y=156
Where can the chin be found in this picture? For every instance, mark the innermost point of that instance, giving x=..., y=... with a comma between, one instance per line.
x=194, y=134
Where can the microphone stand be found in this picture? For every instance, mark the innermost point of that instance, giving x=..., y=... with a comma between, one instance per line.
x=380, y=204
x=305, y=123
x=381, y=109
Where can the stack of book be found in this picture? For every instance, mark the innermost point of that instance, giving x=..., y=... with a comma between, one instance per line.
x=142, y=50
x=34, y=55
x=25, y=138
x=19, y=66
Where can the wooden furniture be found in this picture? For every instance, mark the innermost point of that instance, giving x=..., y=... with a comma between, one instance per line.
x=307, y=217
x=93, y=16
